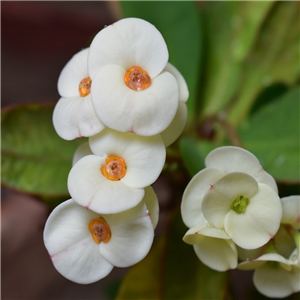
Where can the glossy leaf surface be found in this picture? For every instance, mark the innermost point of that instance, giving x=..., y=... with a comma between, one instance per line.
x=34, y=158
x=273, y=135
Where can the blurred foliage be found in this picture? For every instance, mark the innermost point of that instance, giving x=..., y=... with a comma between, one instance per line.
x=247, y=47
x=34, y=158
x=230, y=29
x=274, y=57
x=172, y=271
x=273, y=133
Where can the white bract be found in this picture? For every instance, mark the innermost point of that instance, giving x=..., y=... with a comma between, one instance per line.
x=85, y=246
x=212, y=246
x=151, y=201
x=220, y=162
x=133, y=89
x=74, y=115
x=291, y=211
x=275, y=276
x=173, y=131
x=282, y=243
x=113, y=178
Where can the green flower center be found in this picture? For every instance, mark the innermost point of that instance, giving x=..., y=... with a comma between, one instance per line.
x=239, y=204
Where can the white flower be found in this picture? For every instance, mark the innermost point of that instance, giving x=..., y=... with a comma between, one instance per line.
x=250, y=212
x=173, y=131
x=74, y=115
x=275, y=276
x=291, y=211
x=151, y=201
x=85, y=246
x=230, y=159
x=150, y=198
x=131, y=91
x=212, y=246
x=83, y=150
x=114, y=177
x=220, y=162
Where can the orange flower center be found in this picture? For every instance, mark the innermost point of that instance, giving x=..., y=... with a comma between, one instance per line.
x=100, y=230
x=137, y=79
x=85, y=86
x=114, y=168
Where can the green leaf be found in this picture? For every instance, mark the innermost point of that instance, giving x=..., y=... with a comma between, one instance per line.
x=179, y=23
x=273, y=134
x=185, y=277
x=230, y=29
x=193, y=152
x=173, y=271
x=274, y=57
x=34, y=158
x=268, y=95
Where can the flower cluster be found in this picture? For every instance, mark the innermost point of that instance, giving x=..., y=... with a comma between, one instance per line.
x=122, y=93
x=235, y=215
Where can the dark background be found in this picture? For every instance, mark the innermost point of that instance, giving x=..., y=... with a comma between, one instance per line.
x=37, y=40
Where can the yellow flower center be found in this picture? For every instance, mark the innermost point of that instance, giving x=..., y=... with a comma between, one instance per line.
x=114, y=168
x=85, y=86
x=100, y=230
x=137, y=79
